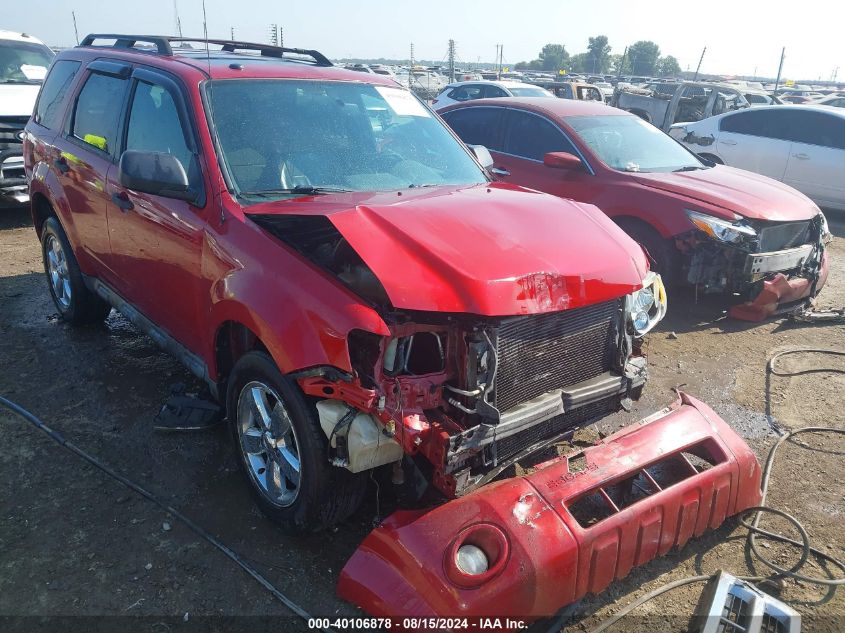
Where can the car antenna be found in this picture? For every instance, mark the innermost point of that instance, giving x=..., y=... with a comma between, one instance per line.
x=208, y=62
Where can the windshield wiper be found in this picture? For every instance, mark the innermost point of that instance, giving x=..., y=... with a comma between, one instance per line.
x=689, y=168
x=305, y=190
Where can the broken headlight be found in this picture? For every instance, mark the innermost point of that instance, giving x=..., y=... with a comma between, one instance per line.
x=647, y=306
x=824, y=229
x=721, y=230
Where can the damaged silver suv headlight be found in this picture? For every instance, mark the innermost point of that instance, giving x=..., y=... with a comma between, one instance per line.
x=721, y=230
x=647, y=306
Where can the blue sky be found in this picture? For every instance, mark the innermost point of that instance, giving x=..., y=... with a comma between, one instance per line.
x=740, y=35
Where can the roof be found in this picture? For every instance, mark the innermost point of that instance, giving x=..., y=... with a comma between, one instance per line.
x=494, y=82
x=557, y=108
x=19, y=37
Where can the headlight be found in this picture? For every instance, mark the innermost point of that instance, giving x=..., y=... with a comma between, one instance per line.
x=826, y=235
x=722, y=230
x=647, y=306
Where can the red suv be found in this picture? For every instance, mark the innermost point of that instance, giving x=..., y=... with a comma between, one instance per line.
x=318, y=247
x=722, y=229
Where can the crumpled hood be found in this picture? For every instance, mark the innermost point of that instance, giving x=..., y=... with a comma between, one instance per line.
x=18, y=99
x=491, y=250
x=736, y=190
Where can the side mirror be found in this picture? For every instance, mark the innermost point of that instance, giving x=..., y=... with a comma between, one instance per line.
x=562, y=160
x=482, y=154
x=155, y=172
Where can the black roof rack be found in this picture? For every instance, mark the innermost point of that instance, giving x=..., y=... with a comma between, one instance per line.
x=162, y=43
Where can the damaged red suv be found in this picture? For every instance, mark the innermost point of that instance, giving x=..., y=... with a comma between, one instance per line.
x=320, y=249
x=721, y=229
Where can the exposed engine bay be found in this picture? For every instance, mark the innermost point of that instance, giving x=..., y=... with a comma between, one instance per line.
x=466, y=396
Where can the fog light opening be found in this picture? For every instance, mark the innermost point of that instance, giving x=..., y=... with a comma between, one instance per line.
x=472, y=560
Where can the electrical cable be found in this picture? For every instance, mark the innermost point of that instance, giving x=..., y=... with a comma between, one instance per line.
x=753, y=527
x=232, y=555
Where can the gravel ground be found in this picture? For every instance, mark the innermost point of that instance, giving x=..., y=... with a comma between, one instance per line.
x=76, y=544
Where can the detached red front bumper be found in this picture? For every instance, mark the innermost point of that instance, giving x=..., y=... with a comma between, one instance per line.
x=571, y=528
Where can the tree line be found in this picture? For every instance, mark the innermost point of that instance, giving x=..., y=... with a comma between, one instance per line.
x=642, y=58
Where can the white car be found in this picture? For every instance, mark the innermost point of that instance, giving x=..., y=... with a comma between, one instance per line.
x=837, y=101
x=800, y=145
x=23, y=65
x=469, y=90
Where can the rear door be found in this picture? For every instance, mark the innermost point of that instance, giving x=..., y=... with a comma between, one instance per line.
x=816, y=164
x=755, y=139
x=84, y=156
x=156, y=242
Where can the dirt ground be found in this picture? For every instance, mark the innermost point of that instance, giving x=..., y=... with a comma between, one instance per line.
x=76, y=544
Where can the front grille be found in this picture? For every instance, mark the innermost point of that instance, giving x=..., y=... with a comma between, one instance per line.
x=777, y=237
x=515, y=444
x=539, y=353
x=10, y=127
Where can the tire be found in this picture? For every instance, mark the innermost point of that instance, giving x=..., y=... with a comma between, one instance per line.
x=662, y=254
x=75, y=302
x=310, y=498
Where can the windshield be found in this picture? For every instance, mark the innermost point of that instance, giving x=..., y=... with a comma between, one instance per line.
x=627, y=143
x=530, y=92
x=23, y=62
x=289, y=137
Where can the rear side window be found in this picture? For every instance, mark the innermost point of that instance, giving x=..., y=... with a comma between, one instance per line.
x=818, y=128
x=531, y=136
x=494, y=92
x=477, y=126
x=54, y=91
x=465, y=93
x=97, y=111
x=154, y=124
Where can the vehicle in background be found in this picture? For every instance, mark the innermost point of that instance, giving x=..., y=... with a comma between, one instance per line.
x=606, y=89
x=725, y=230
x=761, y=98
x=360, y=68
x=468, y=90
x=835, y=101
x=666, y=104
x=572, y=90
x=800, y=145
x=788, y=98
x=381, y=69
x=23, y=65
x=425, y=83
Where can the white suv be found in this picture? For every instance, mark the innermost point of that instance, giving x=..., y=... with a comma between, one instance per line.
x=469, y=90
x=23, y=65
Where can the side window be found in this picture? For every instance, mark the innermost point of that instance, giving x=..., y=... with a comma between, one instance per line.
x=54, y=91
x=97, y=111
x=465, y=93
x=477, y=126
x=692, y=104
x=531, y=136
x=154, y=124
x=818, y=128
x=493, y=91
x=758, y=122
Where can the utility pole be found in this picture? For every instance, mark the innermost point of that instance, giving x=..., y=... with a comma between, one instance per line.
x=176, y=20
x=700, y=59
x=274, y=34
x=232, y=31
x=780, y=68
x=282, y=36
x=412, y=56
x=621, y=64
x=451, y=61
x=75, y=30
x=500, y=53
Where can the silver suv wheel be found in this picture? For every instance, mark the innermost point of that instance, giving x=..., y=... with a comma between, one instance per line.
x=58, y=271
x=268, y=443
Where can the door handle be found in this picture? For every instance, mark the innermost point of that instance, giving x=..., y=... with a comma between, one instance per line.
x=498, y=171
x=61, y=164
x=121, y=199
x=801, y=156
x=728, y=142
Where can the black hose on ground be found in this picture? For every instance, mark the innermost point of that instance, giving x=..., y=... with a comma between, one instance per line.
x=753, y=526
x=238, y=560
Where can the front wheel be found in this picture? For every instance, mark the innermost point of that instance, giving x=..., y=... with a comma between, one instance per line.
x=662, y=254
x=283, y=450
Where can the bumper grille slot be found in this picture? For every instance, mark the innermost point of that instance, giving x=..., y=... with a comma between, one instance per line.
x=10, y=127
x=540, y=353
x=778, y=237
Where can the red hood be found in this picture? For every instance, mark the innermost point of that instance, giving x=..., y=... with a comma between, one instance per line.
x=490, y=250
x=751, y=195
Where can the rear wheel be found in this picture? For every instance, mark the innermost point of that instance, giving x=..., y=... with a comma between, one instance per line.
x=74, y=301
x=283, y=450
